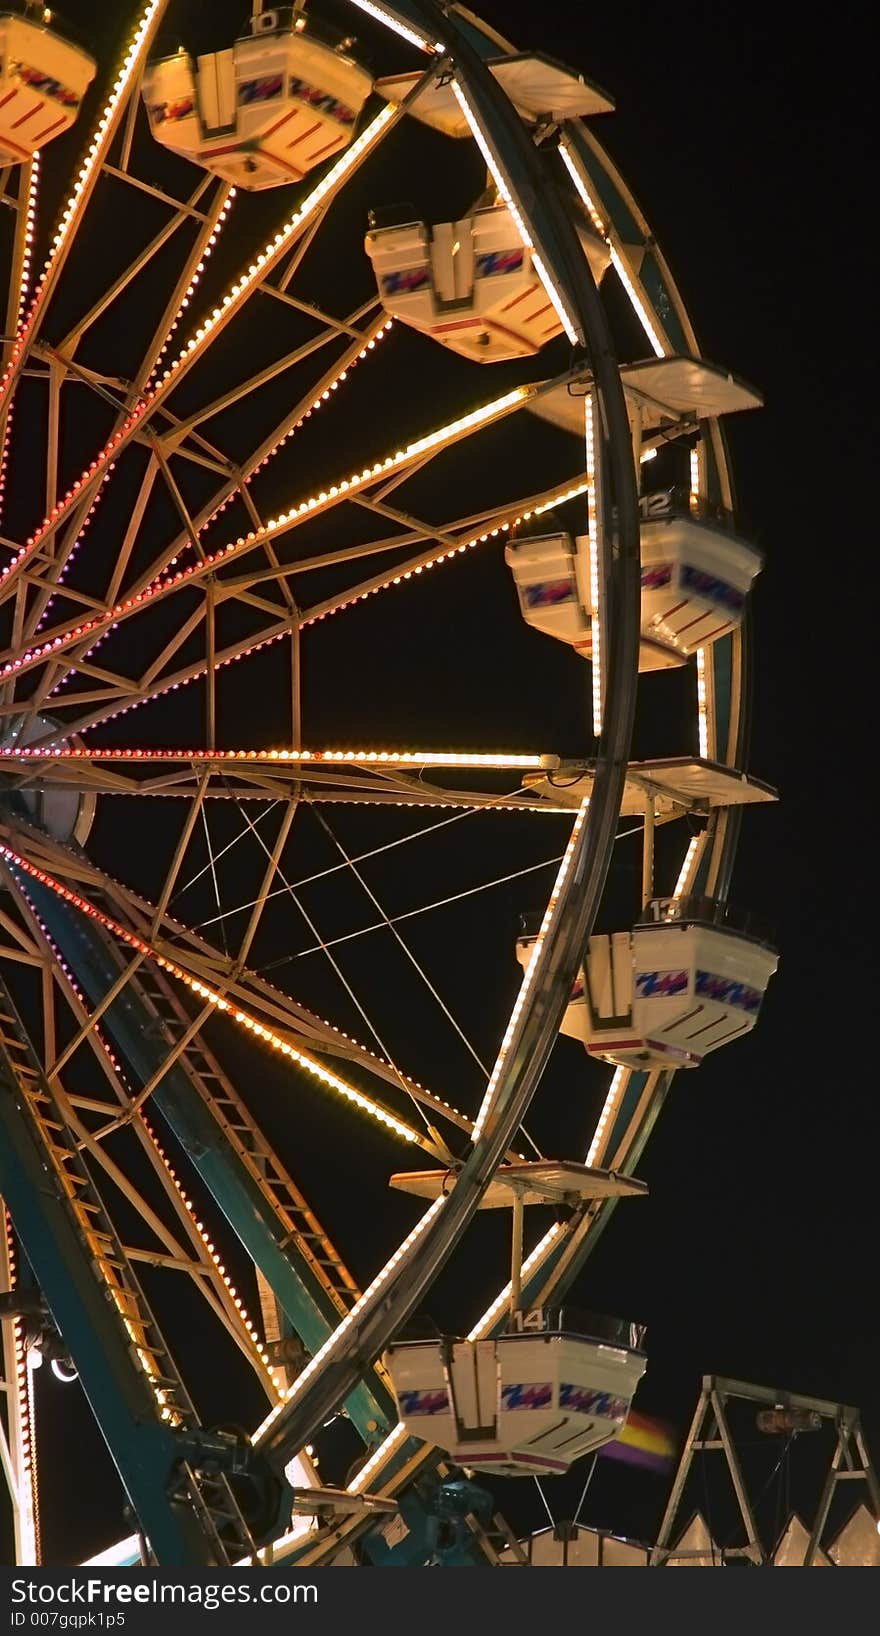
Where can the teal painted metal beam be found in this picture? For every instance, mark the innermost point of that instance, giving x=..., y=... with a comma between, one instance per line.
x=144, y=1450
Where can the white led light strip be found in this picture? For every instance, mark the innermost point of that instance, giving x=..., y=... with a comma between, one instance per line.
x=702, y=702
x=563, y=312
x=617, y=261
x=695, y=472
x=384, y=14
x=360, y=758
x=596, y=648
x=95, y=155
x=688, y=867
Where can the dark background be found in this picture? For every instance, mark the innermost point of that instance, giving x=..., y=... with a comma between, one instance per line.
x=744, y=135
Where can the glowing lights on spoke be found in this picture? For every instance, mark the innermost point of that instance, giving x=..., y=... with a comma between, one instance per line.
x=211, y=997
x=270, y=1376
x=29, y=206
x=500, y=760
x=617, y=261
x=95, y=155
x=593, y=528
x=563, y=312
x=249, y=471
x=529, y=976
x=70, y=551
x=230, y=303
x=462, y=425
x=194, y=281
x=384, y=582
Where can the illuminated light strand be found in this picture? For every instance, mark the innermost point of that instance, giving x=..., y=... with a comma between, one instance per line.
x=94, y=157
x=529, y=974
x=596, y=651
x=316, y=404
x=272, y=1375
x=184, y=303
x=333, y=1341
x=683, y=883
x=558, y=498
x=696, y=483
x=502, y=1300
x=273, y=988
x=383, y=584
x=124, y=1298
x=702, y=702
x=641, y=311
x=27, y=1501
x=110, y=1054
x=248, y=542
x=696, y=487
x=608, y=1107
x=194, y=281
x=269, y=455
x=386, y=1448
x=75, y=546
x=120, y=1294
x=417, y=37
x=30, y=219
x=391, y=758
x=230, y=304
x=566, y=318
x=210, y=995
x=32, y=1474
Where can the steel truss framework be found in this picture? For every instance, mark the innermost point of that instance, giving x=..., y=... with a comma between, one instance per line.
x=109, y=996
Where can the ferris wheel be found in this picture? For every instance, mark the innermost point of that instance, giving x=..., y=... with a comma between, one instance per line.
x=283, y=458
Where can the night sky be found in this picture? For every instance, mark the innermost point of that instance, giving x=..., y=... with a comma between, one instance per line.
x=744, y=136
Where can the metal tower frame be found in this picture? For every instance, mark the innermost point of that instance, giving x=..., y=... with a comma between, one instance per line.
x=711, y=1432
